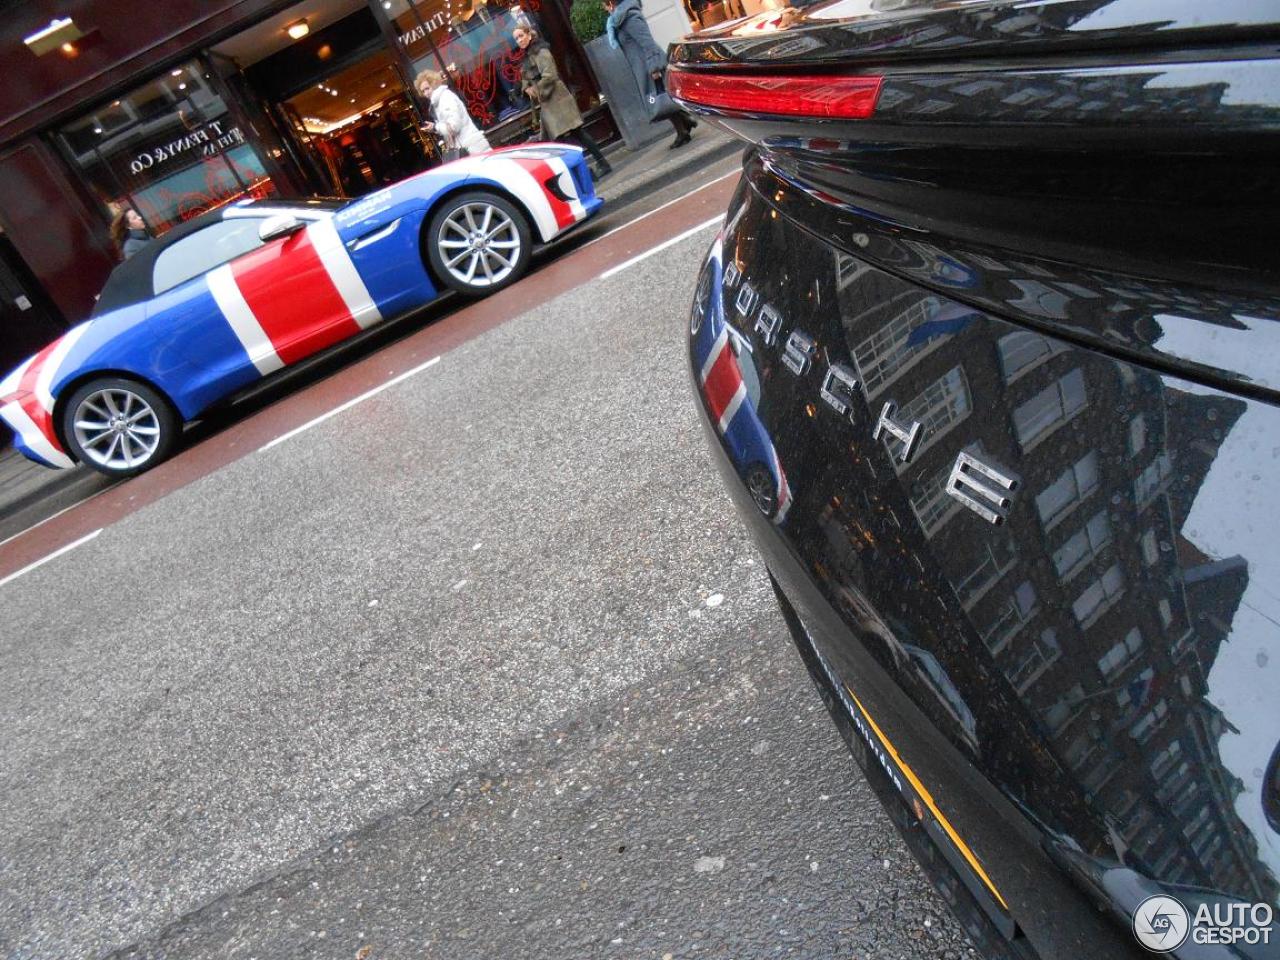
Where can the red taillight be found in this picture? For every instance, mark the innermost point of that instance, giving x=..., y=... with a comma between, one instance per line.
x=833, y=97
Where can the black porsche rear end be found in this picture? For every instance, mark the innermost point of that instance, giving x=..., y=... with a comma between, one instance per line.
x=989, y=351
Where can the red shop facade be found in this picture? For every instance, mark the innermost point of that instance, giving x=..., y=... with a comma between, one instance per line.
x=177, y=108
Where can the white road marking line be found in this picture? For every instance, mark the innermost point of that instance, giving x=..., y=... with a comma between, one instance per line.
x=57, y=553
x=349, y=404
x=662, y=246
x=683, y=196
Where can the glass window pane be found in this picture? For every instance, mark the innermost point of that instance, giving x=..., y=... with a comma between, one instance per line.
x=1019, y=351
x=1086, y=471
x=1113, y=581
x=1137, y=435
x=1071, y=553
x=1025, y=596
x=169, y=149
x=1099, y=530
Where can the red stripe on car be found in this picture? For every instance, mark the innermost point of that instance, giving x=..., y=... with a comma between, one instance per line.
x=293, y=297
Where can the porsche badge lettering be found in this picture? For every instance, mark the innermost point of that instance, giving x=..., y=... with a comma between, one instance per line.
x=981, y=487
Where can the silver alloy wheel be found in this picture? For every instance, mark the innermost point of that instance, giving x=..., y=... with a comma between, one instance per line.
x=116, y=428
x=479, y=244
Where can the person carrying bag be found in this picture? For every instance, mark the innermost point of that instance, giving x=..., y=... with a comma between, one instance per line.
x=556, y=112
x=458, y=133
x=629, y=32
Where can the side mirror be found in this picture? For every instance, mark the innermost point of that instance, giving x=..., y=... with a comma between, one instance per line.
x=281, y=225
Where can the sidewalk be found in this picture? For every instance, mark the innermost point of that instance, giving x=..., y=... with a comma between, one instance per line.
x=636, y=175
x=651, y=168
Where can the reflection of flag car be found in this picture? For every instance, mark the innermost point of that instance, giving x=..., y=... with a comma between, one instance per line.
x=234, y=295
x=943, y=321
x=730, y=386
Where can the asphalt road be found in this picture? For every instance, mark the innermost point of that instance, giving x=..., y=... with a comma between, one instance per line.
x=482, y=666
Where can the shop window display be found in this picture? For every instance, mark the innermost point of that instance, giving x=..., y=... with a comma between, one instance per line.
x=169, y=150
x=471, y=41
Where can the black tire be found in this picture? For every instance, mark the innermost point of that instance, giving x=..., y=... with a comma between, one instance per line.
x=126, y=452
x=763, y=488
x=443, y=238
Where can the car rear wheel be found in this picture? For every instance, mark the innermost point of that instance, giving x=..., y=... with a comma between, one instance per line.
x=478, y=243
x=119, y=427
x=764, y=491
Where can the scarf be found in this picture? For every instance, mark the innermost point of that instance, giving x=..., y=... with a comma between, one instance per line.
x=612, y=30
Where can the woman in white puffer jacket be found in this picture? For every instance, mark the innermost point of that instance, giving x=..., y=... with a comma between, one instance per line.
x=449, y=115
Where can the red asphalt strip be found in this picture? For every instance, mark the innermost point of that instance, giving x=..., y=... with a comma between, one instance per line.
x=562, y=274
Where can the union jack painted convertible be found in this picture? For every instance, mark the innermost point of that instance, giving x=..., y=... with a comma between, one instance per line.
x=241, y=292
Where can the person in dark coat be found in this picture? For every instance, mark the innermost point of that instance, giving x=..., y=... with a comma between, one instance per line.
x=558, y=113
x=129, y=233
x=629, y=32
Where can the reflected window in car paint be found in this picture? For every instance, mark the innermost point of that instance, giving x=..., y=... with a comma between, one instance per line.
x=1147, y=485
x=938, y=408
x=1034, y=660
x=995, y=558
x=1082, y=547
x=1099, y=596
x=1023, y=351
x=1011, y=616
x=1071, y=488
x=1112, y=663
x=1055, y=405
x=931, y=504
x=889, y=352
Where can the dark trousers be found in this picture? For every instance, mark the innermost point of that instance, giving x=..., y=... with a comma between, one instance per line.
x=680, y=122
x=587, y=143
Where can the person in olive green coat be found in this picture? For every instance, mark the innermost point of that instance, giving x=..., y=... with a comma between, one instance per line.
x=557, y=110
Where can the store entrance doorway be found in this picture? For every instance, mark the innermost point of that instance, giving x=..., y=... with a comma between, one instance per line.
x=334, y=99
x=359, y=127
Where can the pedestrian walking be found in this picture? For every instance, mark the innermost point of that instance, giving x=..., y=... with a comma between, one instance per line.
x=558, y=113
x=629, y=32
x=128, y=233
x=449, y=117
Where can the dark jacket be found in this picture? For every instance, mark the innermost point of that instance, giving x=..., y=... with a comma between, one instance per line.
x=134, y=240
x=643, y=55
x=557, y=110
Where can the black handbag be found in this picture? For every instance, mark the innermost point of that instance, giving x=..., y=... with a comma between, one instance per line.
x=659, y=102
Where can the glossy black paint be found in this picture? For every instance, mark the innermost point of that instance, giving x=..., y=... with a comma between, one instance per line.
x=1086, y=690
x=842, y=34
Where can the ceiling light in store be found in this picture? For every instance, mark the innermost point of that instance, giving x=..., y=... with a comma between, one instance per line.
x=298, y=29
x=325, y=52
x=57, y=35
x=175, y=73
x=69, y=49
x=97, y=130
x=383, y=87
x=182, y=86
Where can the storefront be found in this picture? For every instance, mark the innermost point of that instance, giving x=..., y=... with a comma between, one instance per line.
x=228, y=99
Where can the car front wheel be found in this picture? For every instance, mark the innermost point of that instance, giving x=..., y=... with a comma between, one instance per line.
x=478, y=243
x=119, y=427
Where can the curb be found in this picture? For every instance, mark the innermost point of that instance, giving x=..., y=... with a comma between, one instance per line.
x=56, y=483
x=636, y=191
